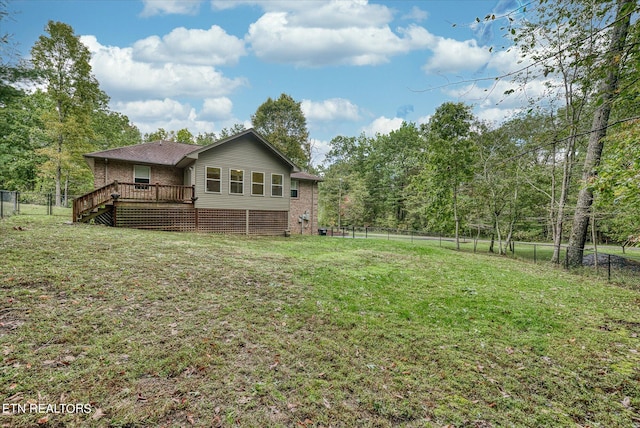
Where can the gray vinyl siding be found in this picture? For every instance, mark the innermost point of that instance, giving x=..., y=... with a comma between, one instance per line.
x=250, y=156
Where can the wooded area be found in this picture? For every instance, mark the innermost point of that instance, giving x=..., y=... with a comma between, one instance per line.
x=570, y=161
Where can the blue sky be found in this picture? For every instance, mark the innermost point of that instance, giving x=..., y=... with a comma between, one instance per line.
x=356, y=66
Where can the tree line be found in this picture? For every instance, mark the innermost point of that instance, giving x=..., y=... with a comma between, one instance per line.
x=567, y=165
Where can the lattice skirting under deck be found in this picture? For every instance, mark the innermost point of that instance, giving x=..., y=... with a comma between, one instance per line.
x=186, y=219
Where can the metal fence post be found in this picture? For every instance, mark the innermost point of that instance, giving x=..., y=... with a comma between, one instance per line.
x=1, y=203
x=609, y=268
x=534, y=253
x=353, y=231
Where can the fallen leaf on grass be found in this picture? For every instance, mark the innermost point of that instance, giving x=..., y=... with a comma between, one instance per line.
x=326, y=403
x=43, y=420
x=626, y=402
x=191, y=420
x=98, y=414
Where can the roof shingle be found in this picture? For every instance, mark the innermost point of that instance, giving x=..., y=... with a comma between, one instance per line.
x=156, y=152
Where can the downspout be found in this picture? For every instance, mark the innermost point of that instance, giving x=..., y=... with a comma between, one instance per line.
x=106, y=172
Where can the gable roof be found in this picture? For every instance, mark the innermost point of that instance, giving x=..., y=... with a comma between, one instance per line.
x=156, y=152
x=189, y=157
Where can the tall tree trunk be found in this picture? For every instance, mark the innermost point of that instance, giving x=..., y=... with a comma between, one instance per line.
x=564, y=195
x=58, y=178
x=607, y=91
x=455, y=217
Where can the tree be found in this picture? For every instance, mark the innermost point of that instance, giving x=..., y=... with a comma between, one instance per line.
x=113, y=129
x=64, y=63
x=617, y=181
x=160, y=135
x=229, y=132
x=562, y=40
x=449, y=158
x=283, y=124
x=18, y=116
x=184, y=136
x=607, y=93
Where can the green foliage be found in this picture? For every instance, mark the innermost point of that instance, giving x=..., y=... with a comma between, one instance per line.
x=283, y=124
x=448, y=162
x=618, y=182
x=63, y=62
x=112, y=129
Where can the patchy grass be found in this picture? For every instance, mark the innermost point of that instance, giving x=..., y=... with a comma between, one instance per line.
x=178, y=329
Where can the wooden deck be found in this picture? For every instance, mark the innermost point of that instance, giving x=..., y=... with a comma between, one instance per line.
x=171, y=208
x=85, y=205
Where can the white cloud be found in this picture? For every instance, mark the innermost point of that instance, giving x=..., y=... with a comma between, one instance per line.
x=334, y=32
x=416, y=14
x=216, y=109
x=156, y=109
x=382, y=126
x=451, y=55
x=496, y=115
x=273, y=39
x=121, y=75
x=169, y=7
x=334, y=109
x=191, y=46
x=173, y=115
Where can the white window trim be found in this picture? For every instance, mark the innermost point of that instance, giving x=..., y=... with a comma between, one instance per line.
x=144, y=166
x=255, y=182
x=206, y=180
x=297, y=189
x=230, y=182
x=279, y=185
x=141, y=186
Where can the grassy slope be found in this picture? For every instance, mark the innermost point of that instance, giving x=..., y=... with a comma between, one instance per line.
x=177, y=329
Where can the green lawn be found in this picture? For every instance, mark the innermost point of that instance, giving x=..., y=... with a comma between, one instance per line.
x=178, y=329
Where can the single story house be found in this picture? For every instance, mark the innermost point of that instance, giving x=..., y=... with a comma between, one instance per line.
x=241, y=184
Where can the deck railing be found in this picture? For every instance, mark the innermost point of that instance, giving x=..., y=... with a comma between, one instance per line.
x=94, y=199
x=138, y=192
x=155, y=192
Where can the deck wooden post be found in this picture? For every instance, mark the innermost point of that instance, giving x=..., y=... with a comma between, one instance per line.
x=157, y=190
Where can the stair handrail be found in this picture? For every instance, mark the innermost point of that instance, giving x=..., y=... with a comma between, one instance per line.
x=93, y=199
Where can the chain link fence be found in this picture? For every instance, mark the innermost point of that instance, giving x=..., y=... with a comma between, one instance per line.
x=607, y=262
x=8, y=203
x=34, y=203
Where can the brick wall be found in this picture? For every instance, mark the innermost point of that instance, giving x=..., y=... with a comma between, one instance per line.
x=307, y=201
x=123, y=172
